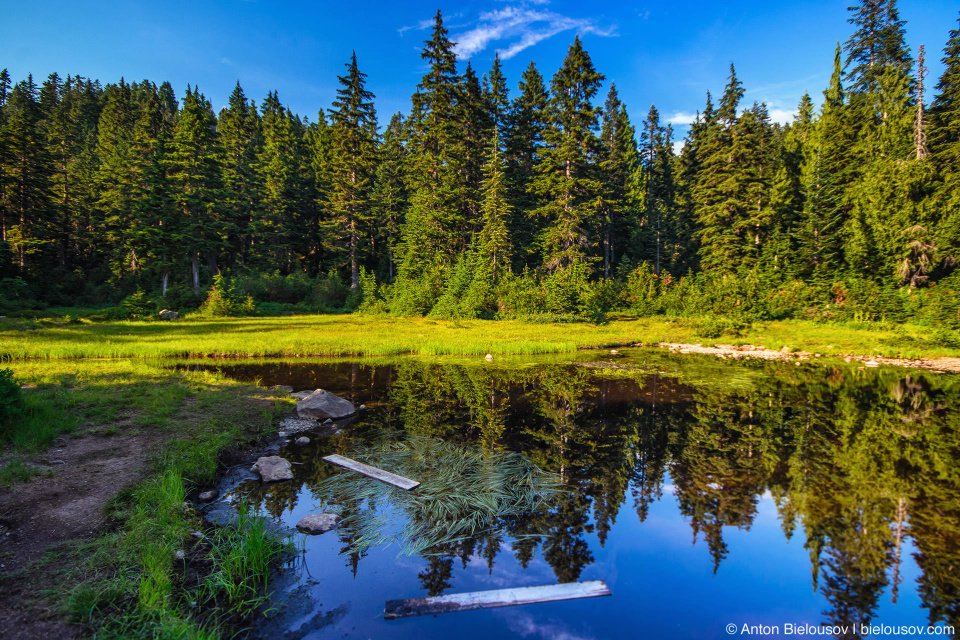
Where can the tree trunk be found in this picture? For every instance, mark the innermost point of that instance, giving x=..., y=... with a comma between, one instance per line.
x=195, y=270
x=212, y=264
x=164, y=283
x=354, y=269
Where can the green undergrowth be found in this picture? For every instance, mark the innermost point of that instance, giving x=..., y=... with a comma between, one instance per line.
x=132, y=582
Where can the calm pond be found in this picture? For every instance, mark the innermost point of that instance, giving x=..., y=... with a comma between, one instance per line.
x=706, y=493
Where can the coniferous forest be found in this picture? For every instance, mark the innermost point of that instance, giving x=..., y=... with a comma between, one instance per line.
x=494, y=198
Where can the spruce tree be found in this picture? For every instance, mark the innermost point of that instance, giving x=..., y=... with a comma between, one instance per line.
x=352, y=165
x=114, y=179
x=567, y=177
x=193, y=167
x=619, y=162
x=277, y=167
x=27, y=178
x=241, y=139
x=877, y=43
x=389, y=196
x=432, y=233
x=523, y=141
x=944, y=136
x=658, y=231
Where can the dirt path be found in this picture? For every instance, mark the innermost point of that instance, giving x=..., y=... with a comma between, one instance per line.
x=943, y=365
x=66, y=502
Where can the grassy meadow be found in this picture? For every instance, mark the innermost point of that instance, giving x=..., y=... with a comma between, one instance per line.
x=358, y=335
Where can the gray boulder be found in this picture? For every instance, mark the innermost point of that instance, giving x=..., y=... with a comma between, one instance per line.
x=302, y=441
x=208, y=496
x=293, y=426
x=323, y=405
x=318, y=523
x=167, y=314
x=273, y=468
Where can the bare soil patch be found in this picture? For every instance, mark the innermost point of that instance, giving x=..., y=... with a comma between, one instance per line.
x=65, y=503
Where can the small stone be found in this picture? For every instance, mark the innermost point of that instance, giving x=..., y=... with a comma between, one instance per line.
x=303, y=440
x=363, y=407
x=872, y=363
x=785, y=350
x=282, y=434
x=180, y=555
x=318, y=523
x=488, y=357
x=614, y=352
x=282, y=387
x=273, y=468
x=327, y=421
x=209, y=496
x=196, y=534
x=167, y=314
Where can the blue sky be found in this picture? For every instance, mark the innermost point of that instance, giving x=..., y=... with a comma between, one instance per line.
x=669, y=54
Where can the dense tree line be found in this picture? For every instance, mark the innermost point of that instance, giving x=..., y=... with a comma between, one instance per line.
x=479, y=204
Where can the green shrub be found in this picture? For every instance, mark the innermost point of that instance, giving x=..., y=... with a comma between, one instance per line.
x=11, y=398
x=139, y=307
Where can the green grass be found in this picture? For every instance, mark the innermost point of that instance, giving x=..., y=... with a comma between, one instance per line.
x=129, y=583
x=355, y=335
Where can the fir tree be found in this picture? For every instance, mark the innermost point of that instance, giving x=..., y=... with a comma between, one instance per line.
x=241, y=139
x=567, y=177
x=877, y=43
x=27, y=177
x=619, y=161
x=523, y=140
x=193, y=166
x=352, y=164
x=390, y=195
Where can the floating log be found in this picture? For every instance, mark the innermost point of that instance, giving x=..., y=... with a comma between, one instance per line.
x=494, y=598
x=373, y=472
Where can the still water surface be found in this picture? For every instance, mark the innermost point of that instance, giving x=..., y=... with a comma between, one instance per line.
x=704, y=493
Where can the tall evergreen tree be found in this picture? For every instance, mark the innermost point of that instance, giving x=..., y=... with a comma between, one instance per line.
x=432, y=231
x=352, y=164
x=619, y=162
x=877, y=43
x=523, y=141
x=27, y=177
x=196, y=178
x=390, y=195
x=241, y=139
x=567, y=177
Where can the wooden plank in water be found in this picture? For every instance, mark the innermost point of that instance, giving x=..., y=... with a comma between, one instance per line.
x=494, y=598
x=373, y=472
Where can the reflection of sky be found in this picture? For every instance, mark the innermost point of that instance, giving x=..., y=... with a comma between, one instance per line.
x=662, y=582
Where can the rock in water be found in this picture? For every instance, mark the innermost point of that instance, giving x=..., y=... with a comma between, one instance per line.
x=273, y=468
x=321, y=405
x=208, y=496
x=318, y=523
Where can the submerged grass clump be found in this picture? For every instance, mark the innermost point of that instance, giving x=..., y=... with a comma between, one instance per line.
x=463, y=493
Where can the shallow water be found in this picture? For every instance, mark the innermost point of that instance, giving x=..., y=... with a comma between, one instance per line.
x=705, y=494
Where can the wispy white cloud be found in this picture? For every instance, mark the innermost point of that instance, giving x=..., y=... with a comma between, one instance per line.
x=525, y=625
x=524, y=26
x=782, y=116
x=420, y=26
x=681, y=117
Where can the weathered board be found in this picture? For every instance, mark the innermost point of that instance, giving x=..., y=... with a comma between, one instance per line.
x=494, y=598
x=373, y=472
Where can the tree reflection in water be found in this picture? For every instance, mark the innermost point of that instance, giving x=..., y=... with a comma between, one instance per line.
x=857, y=463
